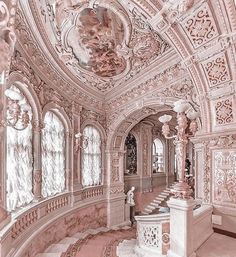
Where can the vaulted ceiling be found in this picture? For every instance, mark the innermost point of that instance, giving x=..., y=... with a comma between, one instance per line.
x=110, y=54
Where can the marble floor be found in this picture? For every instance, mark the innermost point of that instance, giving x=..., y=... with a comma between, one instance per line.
x=218, y=246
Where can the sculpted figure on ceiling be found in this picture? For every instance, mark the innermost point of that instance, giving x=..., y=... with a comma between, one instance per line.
x=99, y=33
x=100, y=42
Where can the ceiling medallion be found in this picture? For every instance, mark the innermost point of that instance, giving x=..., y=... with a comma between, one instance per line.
x=92, y=39
x=100, y=42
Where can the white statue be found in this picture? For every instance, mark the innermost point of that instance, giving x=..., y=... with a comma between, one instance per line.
x=130, y=197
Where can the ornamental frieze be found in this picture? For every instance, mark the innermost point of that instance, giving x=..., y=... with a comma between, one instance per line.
x=151, y=84
x=88, y=115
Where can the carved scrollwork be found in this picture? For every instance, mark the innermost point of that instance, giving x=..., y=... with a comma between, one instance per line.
x=7, y=39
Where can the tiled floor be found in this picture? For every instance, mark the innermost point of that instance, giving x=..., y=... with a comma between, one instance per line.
x=218, y=246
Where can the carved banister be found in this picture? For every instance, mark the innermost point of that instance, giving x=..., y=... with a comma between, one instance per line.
x=153, y=233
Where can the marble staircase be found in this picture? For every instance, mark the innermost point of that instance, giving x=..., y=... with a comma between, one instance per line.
x=156, y=203
x=61, y=249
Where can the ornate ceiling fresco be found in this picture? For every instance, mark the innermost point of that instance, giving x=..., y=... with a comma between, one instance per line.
x=114, y=55
x=101, y=44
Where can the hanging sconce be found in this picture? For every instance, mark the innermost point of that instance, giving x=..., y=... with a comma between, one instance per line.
x=17, y=115
x=81, y=141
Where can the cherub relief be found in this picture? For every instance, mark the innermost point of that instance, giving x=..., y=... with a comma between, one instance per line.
x=96, y=34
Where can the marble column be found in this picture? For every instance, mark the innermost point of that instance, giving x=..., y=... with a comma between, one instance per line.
x=37, y=172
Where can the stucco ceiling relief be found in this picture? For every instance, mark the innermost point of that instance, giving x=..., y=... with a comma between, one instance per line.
x=46, y=70
x=200, y=26
x=158, y=82
x=224, y=111
x=217, y=70
x=170, y=12
x=102, y=43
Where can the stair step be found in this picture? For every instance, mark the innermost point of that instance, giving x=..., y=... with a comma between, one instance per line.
x=57, y=248
x=68, y=240
x=93, y=231
x=154, y=204
x=145, y=213
x=48, y=255
x=150, y=207
x=160, y=198
x=164, y=194
x=80, y=235
x=104, y=229
x=156, y=201
x=167, y=191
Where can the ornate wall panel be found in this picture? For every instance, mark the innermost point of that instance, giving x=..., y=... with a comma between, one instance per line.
x=224, y=178
x=224, y=111
x=200, y=27
x=217, y=70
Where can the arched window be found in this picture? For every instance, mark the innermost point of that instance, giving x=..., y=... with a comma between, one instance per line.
x=19, y=163
x=53, y=155
x=91, y=158
x=157, y=156
x=131, y=155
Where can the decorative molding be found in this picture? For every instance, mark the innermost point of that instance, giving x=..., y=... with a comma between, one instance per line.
x=207, y=173
x=200, y=27
x=93, y=116
x=116, y=189
x=159, y=80
x=224, y=176
x=217, y=70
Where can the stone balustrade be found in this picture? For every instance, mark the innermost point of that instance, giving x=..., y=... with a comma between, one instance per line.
x=29, y=221
x=92, y=192
x=153, y=234
x=58, y=203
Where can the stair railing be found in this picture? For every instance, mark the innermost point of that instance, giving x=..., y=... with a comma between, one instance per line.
x=153, y=234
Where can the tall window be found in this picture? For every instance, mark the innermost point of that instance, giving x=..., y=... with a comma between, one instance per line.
x=19, y=164
x=131, y=155
x=53, y=155
x=157, y=156
x=91, y=158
